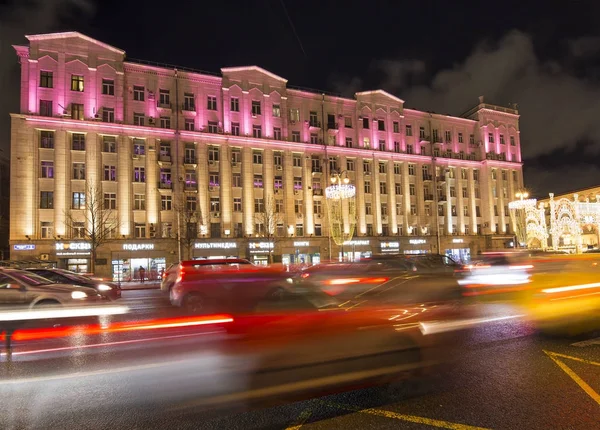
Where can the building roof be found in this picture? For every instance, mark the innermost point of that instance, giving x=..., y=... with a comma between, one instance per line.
x=73, y=34
x=252, y=69
x=379, y=92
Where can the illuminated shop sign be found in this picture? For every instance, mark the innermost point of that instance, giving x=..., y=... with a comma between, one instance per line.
x=457, y=241
x=356, y=242
x=417, y=241
x=261, y=245
x=390, y=245
x=26, y=247
x=299, y=244
x=138, y=246
x=73, y=248
x=215, y=245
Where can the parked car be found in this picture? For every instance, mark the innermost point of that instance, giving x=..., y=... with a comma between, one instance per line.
x=20, y=287
x=61, y=276
x=174, y=270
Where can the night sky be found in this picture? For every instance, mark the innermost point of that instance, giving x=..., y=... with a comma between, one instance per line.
x=435, y=55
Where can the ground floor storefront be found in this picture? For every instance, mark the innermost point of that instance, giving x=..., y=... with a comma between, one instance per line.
x=133, y=260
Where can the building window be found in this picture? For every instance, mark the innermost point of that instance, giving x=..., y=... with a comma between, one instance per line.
x=78, y=142
x=164, y=98
x=348, y=142
x=47, y=229
x=398, y=189
x=47, y=200
x=436, y=136
x=259, y=205
x=165, y=150
x=77, y=111
x=317, y=207
x=380, y=125
x=277, y=159
x=191, y=203
x=512, y=141
x=382, y=145
x=409, y=149
x=108, y=87
x=236, y=180
x=110, y=200
x=367, y=187
x=108, y=115
x=297, y=160
x=47, y=139
x=47, y=169
x=398, y=208
x=211, y=103
x=382, y=167
x=348, y=121
x=475, y=174
x=384, y=209
x=257, y=131
x=139, y=202
x=213, y=179
x=188, y=102
x=276, y=133
x=366, y=143
x=422, y=133
x=502, y=139
x=255, y=107
x=77, y=83
x=314, y=138
x=460, y=138
x=213, y=153
x=237, y=204
x=491, y=137
x=411, y=169
x=138, y=93
x=464, y=192
x=234, y=104
x=166, y=229
x=295, y=136
x=78, y=201
x=139, y=230
x=139, y=174
x=299, y=230
x=166, y=202
x=294, y=115
x=110, y=173
x=276, y=111
x=350, y=165
x=139, y=147
x=397, y=168
x=333, y=166
x=138, y=119
x=313, y=119
x=427, y=208
x=365, y=122
x=412, y=190
x=78, y=170
x=257, y=157
x=448, y=136
x=382, y=188
x=408, y=129
x=188, y=124
x=165, y=122
x=297, y=183
x=46, y=79
x=235, y=128
x=78, y=230
x=278, y=206
x=413, y=209
x=258, y=181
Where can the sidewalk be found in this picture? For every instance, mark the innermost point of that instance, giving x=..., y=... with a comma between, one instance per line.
x=137, y=285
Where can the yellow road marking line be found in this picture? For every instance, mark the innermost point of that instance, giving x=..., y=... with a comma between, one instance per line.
x=582, y=360
x=409, y=418
x=582, y=384
x=300, y=420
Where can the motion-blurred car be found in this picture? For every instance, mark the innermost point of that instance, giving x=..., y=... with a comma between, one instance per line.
x=224, y=285
x=434, y=263
x=172, y=273
x=61, y=276
x=306, y=342
x=19, y=287
x=398, y=277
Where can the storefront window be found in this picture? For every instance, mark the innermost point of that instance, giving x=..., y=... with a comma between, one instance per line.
x=128, y=269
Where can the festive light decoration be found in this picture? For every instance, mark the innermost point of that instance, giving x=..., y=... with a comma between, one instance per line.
x=341, y=208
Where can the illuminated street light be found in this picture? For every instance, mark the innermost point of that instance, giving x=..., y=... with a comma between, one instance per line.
x=341, y=208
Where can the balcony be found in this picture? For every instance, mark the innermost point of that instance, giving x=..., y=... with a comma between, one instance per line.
x=442, y=198
x=317, y=192
x=191, y=186
x=317, y=169
x=314, y=124
x=428, y=197
x=190, y=160
x=164, y=158
x=188, y=107
x=333, y=127
x=165, y=185
x=427, y=177
x=163, y=105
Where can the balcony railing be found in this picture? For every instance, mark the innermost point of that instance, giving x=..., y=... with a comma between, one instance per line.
x=189, y=107
x=314, y=124
x=190, y=160
x=165, y=185
x=332, y=126
x=428, y=197
x=427, y=177
x=164, y=158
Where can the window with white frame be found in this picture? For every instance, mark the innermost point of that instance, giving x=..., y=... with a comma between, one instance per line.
x=234, y=104
x=139, y=202
x=110, y=201
x=211, y=103
x=78, y=171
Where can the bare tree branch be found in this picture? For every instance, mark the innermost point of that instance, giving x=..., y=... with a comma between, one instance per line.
x=96, y=223
x=270, y=219
x=189, y=217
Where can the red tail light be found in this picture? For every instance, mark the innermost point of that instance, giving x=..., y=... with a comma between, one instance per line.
x=347, y=281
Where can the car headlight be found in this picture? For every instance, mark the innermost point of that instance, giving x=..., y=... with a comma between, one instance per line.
x=78, y=295
x=104, y=287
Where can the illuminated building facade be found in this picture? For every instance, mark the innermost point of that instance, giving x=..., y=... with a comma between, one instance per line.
x=153, y=137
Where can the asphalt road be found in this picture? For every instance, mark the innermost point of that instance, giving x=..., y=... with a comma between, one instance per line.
x=509, y=377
